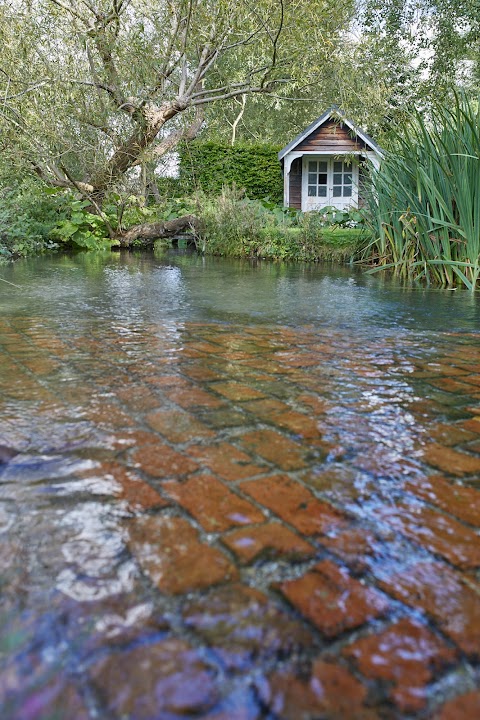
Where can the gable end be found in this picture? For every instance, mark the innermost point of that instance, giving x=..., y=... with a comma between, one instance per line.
x=331, y=137
x=335, y=121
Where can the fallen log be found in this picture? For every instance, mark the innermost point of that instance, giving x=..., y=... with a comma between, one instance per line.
x=147, y=233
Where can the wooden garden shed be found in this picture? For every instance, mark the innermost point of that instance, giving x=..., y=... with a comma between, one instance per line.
x=322, y=166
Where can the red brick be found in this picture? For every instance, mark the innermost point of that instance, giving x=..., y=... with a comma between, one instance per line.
x=472, y=379
x=108, y=414
x=137, y=493
x=265, y=409
x=243, y=626
x=226, y=460
x=161, y=461
x=314, y=403
x=170, y=552
x=211, y=503
x=138, y=399
x=437, y=533
x=297, y=423
x=463, y=502
x=200, y=373
x=464, y=707
x=451, y=461
x=191, y=353
x=193, y=397
x=236, y=391
x=272, y=540
x=354, y=546
x=385, y=464
x=446, y=368
x=206, y=347
x=136, y=438
x=296, y=359
x=330, y=692
x=39, y=365
x=440, y=592
x=295, y=504
x=167, y=679
x=472, y=425
x=406, y=657
x=170, y=381
x=224, y=418
x=332, y=600
x=450, y=434
x=271, y=445
x=178, y=426
x=450, y=385
x=340, y=484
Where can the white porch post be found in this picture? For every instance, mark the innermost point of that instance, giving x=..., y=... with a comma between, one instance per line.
x=287, y=166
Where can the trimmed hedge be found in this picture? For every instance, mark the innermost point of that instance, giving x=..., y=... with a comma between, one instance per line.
x=209, y=166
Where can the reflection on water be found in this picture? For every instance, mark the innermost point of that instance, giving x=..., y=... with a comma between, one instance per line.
x=199, y=447
x=186, y=287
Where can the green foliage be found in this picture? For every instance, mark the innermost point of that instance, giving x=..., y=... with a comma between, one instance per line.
x=235, y=226
x=168, y=187
x=27, y=217
x=208, y=166
x=425, y=204
x=81, y=229
x=35, y=219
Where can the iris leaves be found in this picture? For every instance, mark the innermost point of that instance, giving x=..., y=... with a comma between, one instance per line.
x=425, y=200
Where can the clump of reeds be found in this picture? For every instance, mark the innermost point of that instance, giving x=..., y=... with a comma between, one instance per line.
x=425, y=200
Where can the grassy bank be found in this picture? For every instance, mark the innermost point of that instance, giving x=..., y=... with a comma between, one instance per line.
x=35, y=219
x=234, y=226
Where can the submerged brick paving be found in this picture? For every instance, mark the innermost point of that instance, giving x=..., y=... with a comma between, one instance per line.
x=236, y=522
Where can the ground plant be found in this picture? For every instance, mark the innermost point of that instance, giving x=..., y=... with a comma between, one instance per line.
x=425, y=204
x=27, y=218
x=232, y=225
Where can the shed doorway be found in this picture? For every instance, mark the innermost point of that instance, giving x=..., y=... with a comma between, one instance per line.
x=329, y=181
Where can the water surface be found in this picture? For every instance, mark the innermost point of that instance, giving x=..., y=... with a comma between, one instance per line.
x=199, y=447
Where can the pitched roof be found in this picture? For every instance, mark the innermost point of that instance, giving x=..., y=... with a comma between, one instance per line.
x=333, y=111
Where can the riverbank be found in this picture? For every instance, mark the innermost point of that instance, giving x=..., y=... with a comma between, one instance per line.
x=34, y=219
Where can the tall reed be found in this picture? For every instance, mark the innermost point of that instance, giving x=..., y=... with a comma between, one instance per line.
x=425, y=201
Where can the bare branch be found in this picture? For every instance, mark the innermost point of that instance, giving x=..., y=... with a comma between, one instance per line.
x=189, y=134
x=234, y=125
x=70, y=10
x=27, y=90
x=52, y=176
x=266, y=88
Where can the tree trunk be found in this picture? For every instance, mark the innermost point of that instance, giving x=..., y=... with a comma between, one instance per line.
x=149, y=232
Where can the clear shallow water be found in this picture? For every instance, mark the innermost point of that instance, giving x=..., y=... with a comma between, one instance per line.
x=193, y=437
x=186, y=287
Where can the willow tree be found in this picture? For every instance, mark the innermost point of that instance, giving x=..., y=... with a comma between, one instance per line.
x=91, y=89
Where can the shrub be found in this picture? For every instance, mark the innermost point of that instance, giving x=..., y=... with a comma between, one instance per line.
x=231, y=224
x=27, y=217
x=235, y=226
